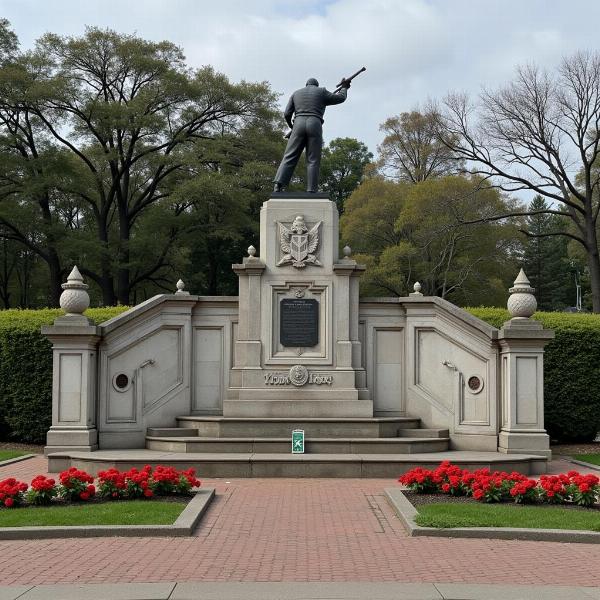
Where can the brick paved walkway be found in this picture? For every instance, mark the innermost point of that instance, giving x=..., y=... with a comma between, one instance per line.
x=293, y=530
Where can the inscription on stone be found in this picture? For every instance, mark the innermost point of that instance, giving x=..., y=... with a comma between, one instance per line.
x=283, y=378
x=299, y=322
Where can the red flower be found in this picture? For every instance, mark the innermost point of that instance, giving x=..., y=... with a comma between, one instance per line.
x=8, y=502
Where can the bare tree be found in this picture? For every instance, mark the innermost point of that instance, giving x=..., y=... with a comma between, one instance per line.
x=541, y=133
x=411, y=150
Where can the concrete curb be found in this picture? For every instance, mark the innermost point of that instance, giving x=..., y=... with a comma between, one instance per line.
x=408, y=513
x=584, y=464
x=16, y=459
x=347, y=590
x=183, y=526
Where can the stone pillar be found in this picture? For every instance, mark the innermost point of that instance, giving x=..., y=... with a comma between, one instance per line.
x=522, y=342
x=74, y=347
x=308, y=364
x=248, y=344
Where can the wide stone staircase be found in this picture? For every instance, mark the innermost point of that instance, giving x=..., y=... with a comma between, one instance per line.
x=386, y=435
x=334, y=447
x=261, y=447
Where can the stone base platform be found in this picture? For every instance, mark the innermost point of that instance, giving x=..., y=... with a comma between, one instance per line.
x=293, y=465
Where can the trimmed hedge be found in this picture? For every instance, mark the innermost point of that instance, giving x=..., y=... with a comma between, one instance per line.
x=26, y=371
x=571, y=372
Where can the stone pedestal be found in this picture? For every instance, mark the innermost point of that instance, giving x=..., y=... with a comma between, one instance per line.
x=298, y=283
x=74, y=341
x=522, y=342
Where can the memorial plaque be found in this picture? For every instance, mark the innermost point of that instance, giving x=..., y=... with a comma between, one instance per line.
x=299, y=322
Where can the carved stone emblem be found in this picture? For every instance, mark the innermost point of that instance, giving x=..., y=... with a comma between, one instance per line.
x=298, y=375
x=298, y=244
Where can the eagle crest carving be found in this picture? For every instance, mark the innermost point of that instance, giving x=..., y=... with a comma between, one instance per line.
x=298, y=244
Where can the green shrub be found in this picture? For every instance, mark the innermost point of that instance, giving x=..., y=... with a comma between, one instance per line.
x=571, y=372
x=26, y=371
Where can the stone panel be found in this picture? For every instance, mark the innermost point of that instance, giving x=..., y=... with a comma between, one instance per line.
x=527, y=392
x=154, y=366
x=388, y=370
x=70, y=386
x=208, y=370
x=444, y=368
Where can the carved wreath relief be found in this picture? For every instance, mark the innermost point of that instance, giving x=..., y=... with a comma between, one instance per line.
x=298, y=244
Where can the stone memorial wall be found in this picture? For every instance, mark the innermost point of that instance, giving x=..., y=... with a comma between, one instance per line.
x=298, y=342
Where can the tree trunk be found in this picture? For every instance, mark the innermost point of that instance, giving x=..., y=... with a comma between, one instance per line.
x=106, y=281
x=54, y=290
x=123, y=257
x=213, y=266
x=4, y=291
x=593, y=259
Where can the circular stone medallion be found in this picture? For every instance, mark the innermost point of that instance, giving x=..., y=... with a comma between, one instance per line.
x=121, y=382
x=475, y=383
x=298, y=375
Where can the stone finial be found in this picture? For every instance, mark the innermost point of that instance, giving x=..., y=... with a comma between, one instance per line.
x=251, y=251
x=417, y=288
x=74, y=300
x=521, y=302
x=347, y=251
x=181, y=288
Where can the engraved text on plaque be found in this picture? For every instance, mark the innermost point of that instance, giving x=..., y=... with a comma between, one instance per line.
x=299, y=322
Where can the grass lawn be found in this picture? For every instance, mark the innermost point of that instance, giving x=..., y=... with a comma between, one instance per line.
x=131, y=512
x=499, y=515
x=6, y=454
x=591, y=458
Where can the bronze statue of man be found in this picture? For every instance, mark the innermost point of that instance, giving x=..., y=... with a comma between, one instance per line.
x=307, y=106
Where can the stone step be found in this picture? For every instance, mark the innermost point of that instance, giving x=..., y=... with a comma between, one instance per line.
x=423, y=433
x=172, y=432
x=293, y=465
x=194, y=444
x=333, y=404
x=225, y=427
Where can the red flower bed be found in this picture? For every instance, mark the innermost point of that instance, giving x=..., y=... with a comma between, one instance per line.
x=168, y=480
x=42, y=490
x=76, y=485
x=486, y=486
x=11, y=492
x=139, y=483
x=111, y=484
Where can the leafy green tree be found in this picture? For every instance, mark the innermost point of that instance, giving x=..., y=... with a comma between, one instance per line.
x=126, y=108
x=546, y=258
x=343, y=168
x=407, y=233
x=9, y=42
x=227, y=181
x=411, y=149
x=32, y=171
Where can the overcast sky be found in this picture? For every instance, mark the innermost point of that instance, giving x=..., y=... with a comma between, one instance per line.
x=413, y=49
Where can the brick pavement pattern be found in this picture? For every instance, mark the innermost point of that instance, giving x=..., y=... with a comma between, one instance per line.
x=293, y=530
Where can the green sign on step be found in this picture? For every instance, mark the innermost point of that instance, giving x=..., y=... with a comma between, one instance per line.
x=298, y=441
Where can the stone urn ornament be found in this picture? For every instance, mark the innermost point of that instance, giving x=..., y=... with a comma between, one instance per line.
x=74, y=300
x=521, y=302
